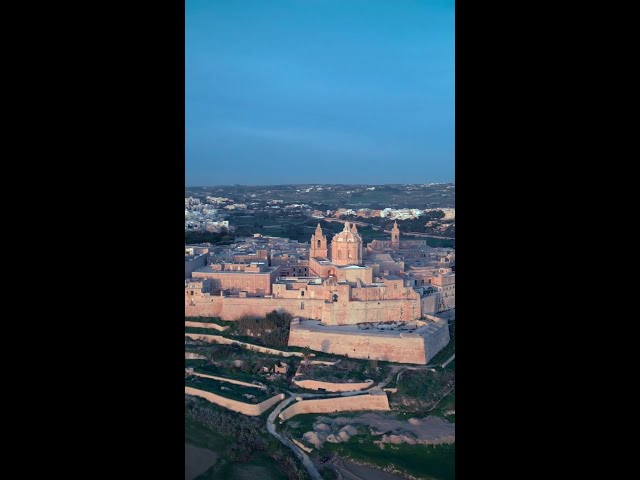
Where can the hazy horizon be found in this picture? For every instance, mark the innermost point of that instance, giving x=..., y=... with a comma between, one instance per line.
x=315, y=183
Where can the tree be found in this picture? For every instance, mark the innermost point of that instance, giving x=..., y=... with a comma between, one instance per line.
x=373, y=365
x=306, y=355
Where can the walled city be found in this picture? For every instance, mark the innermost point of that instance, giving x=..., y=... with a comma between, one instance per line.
x=379, y=301
x=289, y=329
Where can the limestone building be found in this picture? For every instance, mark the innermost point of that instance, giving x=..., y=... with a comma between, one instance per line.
x=340, y=285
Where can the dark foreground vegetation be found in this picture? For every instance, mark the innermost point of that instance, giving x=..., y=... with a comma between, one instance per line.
x=246, y=436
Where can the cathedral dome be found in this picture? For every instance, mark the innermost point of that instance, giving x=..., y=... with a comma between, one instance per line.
x=348, y=235
x=346, y=246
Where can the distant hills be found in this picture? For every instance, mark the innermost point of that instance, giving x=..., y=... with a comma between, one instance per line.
x=440, y=195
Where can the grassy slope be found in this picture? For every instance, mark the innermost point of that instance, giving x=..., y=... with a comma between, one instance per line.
x=423, y=461
x=197, y=434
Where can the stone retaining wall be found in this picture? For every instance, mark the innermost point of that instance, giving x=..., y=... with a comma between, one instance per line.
x=331, y=386
x=228, y=380
x=251, y=346
x=371, y=401
x=213, y=326
x=245, y=408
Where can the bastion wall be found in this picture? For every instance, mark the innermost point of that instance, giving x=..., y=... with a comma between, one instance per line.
x=408, y=348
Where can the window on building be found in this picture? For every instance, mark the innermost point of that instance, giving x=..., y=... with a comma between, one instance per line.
x=301, y=305
x=302, y=293
x=318, y=243
x=395, y=286
x=339, y=253
x=191, y=292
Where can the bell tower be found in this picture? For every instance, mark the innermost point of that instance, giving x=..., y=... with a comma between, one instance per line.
x=395, y=237
x=318, y=244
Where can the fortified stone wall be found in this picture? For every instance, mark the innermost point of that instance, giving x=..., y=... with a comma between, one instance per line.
x=408, y=348
x=231, y=308
x=371, y=401
x=203, y=306
x=437, y=339
x=213, y=326
x=229, y=341
x=349, y=313
x=342, y=312
x=331, y=386
x=245, y=408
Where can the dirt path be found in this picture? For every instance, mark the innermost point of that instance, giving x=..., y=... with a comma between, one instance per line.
x=271, y=428
x=304, y=458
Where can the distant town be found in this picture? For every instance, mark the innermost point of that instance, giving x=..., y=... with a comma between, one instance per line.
x=425, y=211
x=325, y=313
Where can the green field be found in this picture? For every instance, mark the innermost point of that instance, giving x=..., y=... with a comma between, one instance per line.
x=433, y=462
x=447, y=403
x=260, y=465
x=231, y=391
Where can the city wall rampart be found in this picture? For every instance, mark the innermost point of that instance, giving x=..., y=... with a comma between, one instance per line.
x=349, y=313
x=340, y=312
x=406, y=348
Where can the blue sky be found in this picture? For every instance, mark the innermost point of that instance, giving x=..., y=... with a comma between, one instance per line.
x=319, y=91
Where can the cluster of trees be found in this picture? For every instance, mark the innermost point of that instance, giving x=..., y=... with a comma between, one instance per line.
x=428, y=387
x=347, y=369
x=246, y=431
x=271, y=330
x=409, y=225
x=290, y=464
x=194, y=236
x=246, y=435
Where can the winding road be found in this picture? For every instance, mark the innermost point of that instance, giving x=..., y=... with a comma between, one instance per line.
x=304, y=458
x=271, y=428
